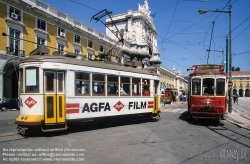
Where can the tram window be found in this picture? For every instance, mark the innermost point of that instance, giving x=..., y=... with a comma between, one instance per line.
x=220, y=87
x=136, y=87
x=31, y=81
x=60, y=82
x=21, y=80
x=112, y=85
x=145, y=87
x=125, y=86
x=81, y=83
x=98, y=84
x=208, y=86
x=50, y=84
x=196, y=86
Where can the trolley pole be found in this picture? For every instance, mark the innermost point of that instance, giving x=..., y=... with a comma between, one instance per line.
x=230, y=49
x=227, y=55
x=230, y=57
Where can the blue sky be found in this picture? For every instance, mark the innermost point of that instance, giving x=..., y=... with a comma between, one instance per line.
x=184, y=35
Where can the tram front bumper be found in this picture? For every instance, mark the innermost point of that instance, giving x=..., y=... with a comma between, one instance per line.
x=207, y=111
x=24, y=119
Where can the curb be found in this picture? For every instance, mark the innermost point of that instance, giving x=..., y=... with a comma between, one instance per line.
x=237, y=124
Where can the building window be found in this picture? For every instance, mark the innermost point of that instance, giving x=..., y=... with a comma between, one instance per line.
x=40, y=41
x=14, y=44
x=100, y=48
x=41, y=24
x=77, y=51
x=77, y=39
x=61, y=32
x=15, y=13
x=90, y=56
x=61, y=49
x=90, y=44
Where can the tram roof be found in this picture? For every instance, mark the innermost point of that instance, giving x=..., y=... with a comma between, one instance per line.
x=208, y=69
x=89, y=63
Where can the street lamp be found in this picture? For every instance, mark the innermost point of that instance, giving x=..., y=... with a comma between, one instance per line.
x=230, y=47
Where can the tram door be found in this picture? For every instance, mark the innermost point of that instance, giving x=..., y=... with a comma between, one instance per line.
x=54, y=98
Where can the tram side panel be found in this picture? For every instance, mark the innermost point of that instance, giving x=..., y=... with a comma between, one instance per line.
x=31, y=110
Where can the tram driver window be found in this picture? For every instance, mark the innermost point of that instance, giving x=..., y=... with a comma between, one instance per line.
x=208, y=86
x=196, y=86
x=81, y=83
x=32, y=82
x=220, y=87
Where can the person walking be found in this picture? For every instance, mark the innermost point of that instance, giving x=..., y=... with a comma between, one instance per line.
x=234, y=98
x=237, y=97
x=182, y=99
x=164, y=100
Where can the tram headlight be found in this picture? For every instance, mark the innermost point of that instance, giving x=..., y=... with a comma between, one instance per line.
x=207, y=101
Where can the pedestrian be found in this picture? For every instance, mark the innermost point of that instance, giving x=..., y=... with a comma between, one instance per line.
x=164, y=100
x=182, y=99
x=174, y=99
x=237, y=97
x=234, y=98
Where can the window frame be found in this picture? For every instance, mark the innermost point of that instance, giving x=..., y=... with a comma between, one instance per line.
x=90, y=44
x=61, y=30
x=37, y=81
x=114, y=84
x=135, y=82
x=15, y=11
x=128, y=92
x=39, y=25
x=82, y=80
x=103, y=86
x=77, y=39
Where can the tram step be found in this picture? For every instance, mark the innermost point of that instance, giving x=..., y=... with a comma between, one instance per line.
x=54, y=128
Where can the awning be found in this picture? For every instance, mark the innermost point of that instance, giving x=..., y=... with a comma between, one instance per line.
x=40, y=50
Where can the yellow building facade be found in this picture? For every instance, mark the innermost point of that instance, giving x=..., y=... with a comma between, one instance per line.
x=172, y=80
x=241, y=83
x=26, y=24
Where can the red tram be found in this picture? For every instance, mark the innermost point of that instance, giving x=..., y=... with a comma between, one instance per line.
x=207, y=93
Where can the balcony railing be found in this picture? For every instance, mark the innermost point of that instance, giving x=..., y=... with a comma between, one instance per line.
x=15, y=52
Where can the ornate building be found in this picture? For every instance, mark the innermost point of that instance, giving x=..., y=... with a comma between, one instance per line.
x=241, y=83
x=139, y=34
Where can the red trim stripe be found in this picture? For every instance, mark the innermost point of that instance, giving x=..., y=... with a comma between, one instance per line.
x=72, y=108
x=70, y=111
x=150, y=102
x=73, y=105
x=150, y=106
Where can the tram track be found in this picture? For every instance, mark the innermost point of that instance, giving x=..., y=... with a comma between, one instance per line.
x=7, y=137
x=232, y=134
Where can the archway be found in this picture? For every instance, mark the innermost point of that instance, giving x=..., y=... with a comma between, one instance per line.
x=10, y=77
x=247, y=93
x=234, y=91
x=241, y=92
